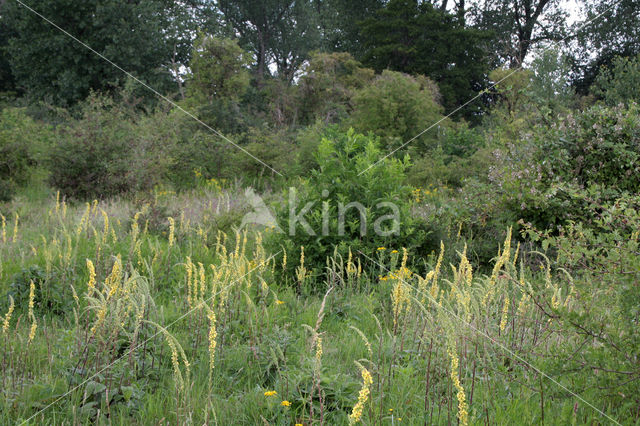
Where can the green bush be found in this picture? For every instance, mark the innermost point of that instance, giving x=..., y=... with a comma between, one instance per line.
x=601, y=311
x=111, y=151
x=397, y=107
x=328, y=84
x=22, y=142
x=599, y=146
x=619, y=84
x=336, y=181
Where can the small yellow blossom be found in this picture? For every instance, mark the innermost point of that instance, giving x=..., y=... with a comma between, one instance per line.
x=279, y=302
x=285, y=403
x=270, y=393
x=381, y=248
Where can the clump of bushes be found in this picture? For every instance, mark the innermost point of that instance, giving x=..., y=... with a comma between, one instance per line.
x=22, y=143
x=111, y=150
x=349, y=206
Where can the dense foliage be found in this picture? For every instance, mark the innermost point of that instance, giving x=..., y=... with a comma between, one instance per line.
x=319, y=212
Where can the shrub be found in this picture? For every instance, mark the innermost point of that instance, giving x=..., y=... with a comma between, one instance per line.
x=337, y=181
x=397, y=107
x=619, y=83
x=600, y=311
x=22, y=142
x=600, y=146
x=328, y=84
x=110, y=151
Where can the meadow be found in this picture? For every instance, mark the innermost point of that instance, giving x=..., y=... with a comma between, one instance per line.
x=121, y=315
x=326, y=212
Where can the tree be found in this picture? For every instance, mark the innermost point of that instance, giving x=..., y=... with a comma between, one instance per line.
x=218, y=69
x=620, y=82
x=47, y=63
x=416, y=38
x=519, y=25
x=327, y=85
x=339, y=21
x=613, y=30
x=278, y=31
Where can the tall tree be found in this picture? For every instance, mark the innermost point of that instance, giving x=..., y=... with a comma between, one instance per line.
x=47, y=63
x=276, y=31
x=339, y=22
x=416, y=38
x=519, y=25
x=613, y=30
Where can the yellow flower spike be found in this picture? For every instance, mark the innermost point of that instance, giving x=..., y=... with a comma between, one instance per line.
x=213, y=334
x=34, y=323
x=7, y=317
x=4, y=228
x=92, y=277
x=363, y=396
x=15, y=228
x=505, y=312
x=463, y=414
x=105, y=230
x=172, y=229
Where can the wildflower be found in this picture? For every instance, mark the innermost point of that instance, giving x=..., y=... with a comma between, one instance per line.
x=34, y=323
x=174, y=361
x=4, y=228
x=15, y=228
x=381, y=248
x=270, y=393
x=212, y=341
x=363, y=396
x=318, y=350
x=7, y=317
x=172, y=229
x=279, y=302
x=462, y=405
x=105, y=231
x=394, y=251
x=285, y=403
x=284, y=259
x=505, y=311
x=92, y=277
